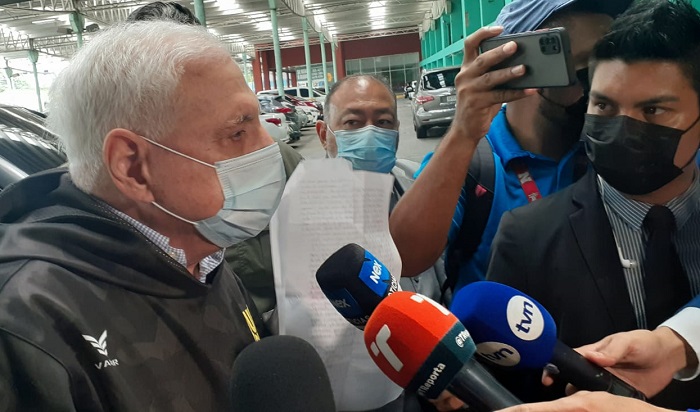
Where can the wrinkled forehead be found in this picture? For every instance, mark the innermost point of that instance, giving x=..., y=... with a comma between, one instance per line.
x=362, y=94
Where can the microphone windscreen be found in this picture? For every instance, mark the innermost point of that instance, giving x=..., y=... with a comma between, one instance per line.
x=510, y=328
x=355, y=282
x=417, y=343
x=280, y=373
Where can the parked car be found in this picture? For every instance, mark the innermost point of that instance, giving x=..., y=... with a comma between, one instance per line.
x=435, y=99
x=276, y=104
x=313, y=109
x=26, y=145
x=318, y=95
x=276, y=126
x=307, y=107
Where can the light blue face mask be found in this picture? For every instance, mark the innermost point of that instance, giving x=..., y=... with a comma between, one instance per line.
x=370, y=148
x=252, y=185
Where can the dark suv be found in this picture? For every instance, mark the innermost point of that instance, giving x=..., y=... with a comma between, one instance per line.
x=26, y=146
x=435, y=99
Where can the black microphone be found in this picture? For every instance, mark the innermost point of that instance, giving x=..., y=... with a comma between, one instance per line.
x=355, y=282
x=513, y=330
x=280, y=373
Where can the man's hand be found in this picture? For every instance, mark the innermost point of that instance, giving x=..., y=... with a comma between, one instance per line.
x=589, y=402
x=447, y=402
x=478, y=99
x=646, y=359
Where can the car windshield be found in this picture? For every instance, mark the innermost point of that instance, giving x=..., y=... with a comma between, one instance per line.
x=439, y=80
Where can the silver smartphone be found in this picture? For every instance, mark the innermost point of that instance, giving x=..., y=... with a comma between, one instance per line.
x=546, y=55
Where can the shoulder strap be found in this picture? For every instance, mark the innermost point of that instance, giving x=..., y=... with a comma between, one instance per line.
x=479, y=187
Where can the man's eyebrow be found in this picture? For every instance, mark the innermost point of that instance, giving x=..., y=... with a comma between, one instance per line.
x=658, y=99
x=233, y=123
x=601, y=96
x=237, y=121
x=361, y=111
x=644, y=103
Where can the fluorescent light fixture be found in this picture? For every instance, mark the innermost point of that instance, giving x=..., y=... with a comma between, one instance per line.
x=45, y=21
x=228, y=5
x=264, y=26
x=376, y=9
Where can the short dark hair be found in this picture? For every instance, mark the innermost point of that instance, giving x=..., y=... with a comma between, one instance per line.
x=164, y=11
x=354, y=78
x=654, y=30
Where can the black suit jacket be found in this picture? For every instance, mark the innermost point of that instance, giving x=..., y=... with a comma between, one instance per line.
x=561, y=251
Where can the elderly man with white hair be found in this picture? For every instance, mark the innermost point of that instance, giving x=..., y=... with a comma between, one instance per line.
x=112, y=287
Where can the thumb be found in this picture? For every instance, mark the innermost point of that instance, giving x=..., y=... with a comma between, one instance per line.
x=599, y=358
x=608, y=351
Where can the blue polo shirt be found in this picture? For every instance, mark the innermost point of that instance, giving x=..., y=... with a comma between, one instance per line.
x=549, y=175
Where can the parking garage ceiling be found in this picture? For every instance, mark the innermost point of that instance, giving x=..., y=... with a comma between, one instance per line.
x=244, y=25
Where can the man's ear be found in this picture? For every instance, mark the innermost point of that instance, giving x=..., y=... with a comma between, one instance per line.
x=321, y=130
x=124, y=154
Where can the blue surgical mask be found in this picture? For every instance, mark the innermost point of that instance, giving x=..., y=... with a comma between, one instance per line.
x=370, y=148
x=252, y=185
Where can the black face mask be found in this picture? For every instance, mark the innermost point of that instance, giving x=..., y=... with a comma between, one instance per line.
x=634, y=157
x=579, y=108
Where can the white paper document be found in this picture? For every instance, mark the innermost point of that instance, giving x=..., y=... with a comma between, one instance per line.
x=325, y=206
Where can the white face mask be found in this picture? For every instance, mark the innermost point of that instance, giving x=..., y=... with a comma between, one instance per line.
x=252, y=185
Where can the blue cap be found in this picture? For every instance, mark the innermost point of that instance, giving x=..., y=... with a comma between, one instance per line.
x=527, y=15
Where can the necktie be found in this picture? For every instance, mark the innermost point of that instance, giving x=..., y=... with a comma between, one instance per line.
x=665, y=283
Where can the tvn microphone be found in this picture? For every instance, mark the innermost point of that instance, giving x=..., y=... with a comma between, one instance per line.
x=280, y=373
x=513, y=330
x=355, y=282
x=424, y=348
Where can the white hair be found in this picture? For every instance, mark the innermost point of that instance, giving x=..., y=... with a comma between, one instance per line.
x=125, y=77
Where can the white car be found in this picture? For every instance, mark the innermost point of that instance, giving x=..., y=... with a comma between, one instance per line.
x=312, y=114
x=276, y=126
x=300, y=92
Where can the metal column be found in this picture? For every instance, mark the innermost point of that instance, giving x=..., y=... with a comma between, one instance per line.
x=276, y=44
x=307, y=56
x=323, y=59
x=34, y=58
x=335, y=63
x=199, y=12
x=245, y=67
x=9, y=73
x=77, y=23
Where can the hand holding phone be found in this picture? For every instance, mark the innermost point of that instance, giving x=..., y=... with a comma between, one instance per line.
x=546, y=55
x=478, y=95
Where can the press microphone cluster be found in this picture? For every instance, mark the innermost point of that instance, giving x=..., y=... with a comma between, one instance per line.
x=513, y=330
x=407, y=343
x=424, y=348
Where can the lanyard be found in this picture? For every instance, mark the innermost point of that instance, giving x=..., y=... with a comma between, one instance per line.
x=532, y=192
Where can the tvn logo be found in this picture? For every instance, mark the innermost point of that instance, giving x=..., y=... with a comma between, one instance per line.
x=498, y=353
x=524, y=318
